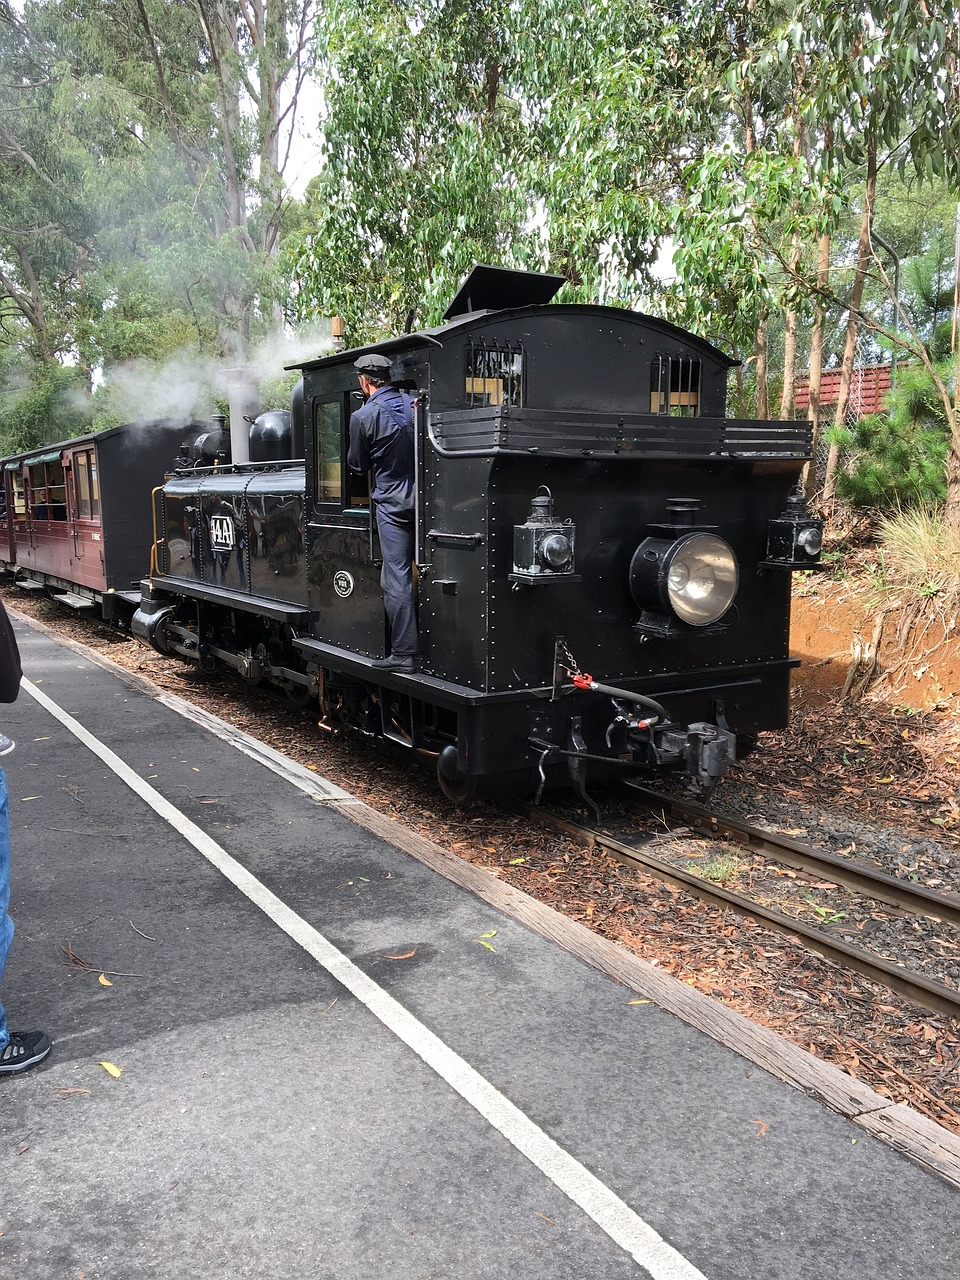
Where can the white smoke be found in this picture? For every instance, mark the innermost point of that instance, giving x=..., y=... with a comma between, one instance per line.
x=189, y=386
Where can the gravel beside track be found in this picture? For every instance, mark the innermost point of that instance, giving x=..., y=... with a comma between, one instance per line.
x=900, y=779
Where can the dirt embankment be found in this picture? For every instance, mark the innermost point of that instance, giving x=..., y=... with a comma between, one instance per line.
x=903, y=652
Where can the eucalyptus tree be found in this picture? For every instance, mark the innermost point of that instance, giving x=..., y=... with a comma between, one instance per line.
x=422, y=145
x=883, y=91
x=214, y=85
x=46, y=231
x=527, y=133
x=142, y=148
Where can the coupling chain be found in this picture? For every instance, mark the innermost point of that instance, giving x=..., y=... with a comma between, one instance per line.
x=567, y=660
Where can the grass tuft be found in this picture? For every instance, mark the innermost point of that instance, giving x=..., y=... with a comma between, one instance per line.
x=921, y=554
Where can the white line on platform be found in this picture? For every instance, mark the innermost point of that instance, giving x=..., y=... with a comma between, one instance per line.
x=607, y=1210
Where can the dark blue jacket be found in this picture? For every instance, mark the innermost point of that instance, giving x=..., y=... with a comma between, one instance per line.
x=381, y=438
x=9, y=660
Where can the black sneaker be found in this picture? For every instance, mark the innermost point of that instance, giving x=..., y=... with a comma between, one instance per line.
x=24, y=1049
x=6, y=745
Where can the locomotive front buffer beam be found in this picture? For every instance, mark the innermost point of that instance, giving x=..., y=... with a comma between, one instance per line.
x=640, y=733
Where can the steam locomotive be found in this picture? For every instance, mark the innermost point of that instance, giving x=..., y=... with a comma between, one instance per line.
x=603, y=555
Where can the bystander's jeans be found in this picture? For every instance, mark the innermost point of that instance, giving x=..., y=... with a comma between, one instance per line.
x=6, y=924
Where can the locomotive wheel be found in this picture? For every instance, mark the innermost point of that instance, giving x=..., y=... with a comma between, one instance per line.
x=456, y=786
x=158, y=631
x=462, y=788
x=297, y=695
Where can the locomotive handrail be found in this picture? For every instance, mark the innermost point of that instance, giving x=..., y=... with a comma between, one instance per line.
x=154, y=508
x=487, y=452
x=276, y=464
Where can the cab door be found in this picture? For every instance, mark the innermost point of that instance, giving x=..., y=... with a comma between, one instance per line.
x=343, y=550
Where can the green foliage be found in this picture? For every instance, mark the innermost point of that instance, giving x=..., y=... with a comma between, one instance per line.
x=897, y=458
x=883, y=73
x=463, y=133
x=54, y=407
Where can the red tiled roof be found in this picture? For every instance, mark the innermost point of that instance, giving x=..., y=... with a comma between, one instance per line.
x=868, y=389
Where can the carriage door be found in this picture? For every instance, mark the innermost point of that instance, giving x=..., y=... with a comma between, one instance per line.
x=30, y=490
x=343, y=551
x=73, y=506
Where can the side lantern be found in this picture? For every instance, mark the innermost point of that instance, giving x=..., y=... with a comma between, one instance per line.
x=794, y=538
x=543, y=547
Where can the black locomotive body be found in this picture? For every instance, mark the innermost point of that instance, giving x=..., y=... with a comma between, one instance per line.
x=604, y=556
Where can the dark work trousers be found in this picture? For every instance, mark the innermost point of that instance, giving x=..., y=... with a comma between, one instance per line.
x=396, y=578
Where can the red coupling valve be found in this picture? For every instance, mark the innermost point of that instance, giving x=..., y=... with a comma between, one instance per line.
x=584, y=682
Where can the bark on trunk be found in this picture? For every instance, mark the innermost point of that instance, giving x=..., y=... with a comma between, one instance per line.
x=787, y=395
x=763, y=398
x=816, y=362
x=951, y=510
x=864, y=254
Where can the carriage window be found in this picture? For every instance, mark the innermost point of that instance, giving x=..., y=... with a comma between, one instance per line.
x=88, y=493
x=329, y=445
x=19, y=497
x=57, y=490
x=675, y=387
x=495, y=374
x=36, y=488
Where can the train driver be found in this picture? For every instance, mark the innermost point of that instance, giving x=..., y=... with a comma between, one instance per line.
x=381, y=440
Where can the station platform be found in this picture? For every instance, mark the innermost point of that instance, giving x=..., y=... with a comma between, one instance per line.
x=341, y=1057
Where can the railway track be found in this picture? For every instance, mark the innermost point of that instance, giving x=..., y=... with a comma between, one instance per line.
x=899, y=896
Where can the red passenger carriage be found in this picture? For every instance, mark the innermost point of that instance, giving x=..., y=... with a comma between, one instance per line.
x=76, y=516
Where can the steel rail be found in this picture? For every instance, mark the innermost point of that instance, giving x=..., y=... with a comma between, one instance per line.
x=915, y=986
x=914, y=899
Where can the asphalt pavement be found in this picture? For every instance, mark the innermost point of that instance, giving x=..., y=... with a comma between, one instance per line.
x=335, y=1063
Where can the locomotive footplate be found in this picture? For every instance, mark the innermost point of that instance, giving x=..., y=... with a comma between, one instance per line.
x=278, y=610
x=442, y=693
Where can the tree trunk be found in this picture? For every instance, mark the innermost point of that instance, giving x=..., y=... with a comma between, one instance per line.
x=763, y=397
x=788, y=392
x=864, y=256
x=787, y=395
x=816, y=361
x=951, y=509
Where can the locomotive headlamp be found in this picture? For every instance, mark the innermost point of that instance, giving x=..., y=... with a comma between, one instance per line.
x=694, y=577
x=543, y=547
x=794, y=538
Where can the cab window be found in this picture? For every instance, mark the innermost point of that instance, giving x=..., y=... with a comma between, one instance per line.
x=495, y=374
x=336, y=483
x=675, y=387
x=328, y=433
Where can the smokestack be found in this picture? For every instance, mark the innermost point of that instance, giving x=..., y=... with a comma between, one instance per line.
x=243, y=392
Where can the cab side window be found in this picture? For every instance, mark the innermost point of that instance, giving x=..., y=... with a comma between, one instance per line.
x=328, y=433
x=336, y=483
